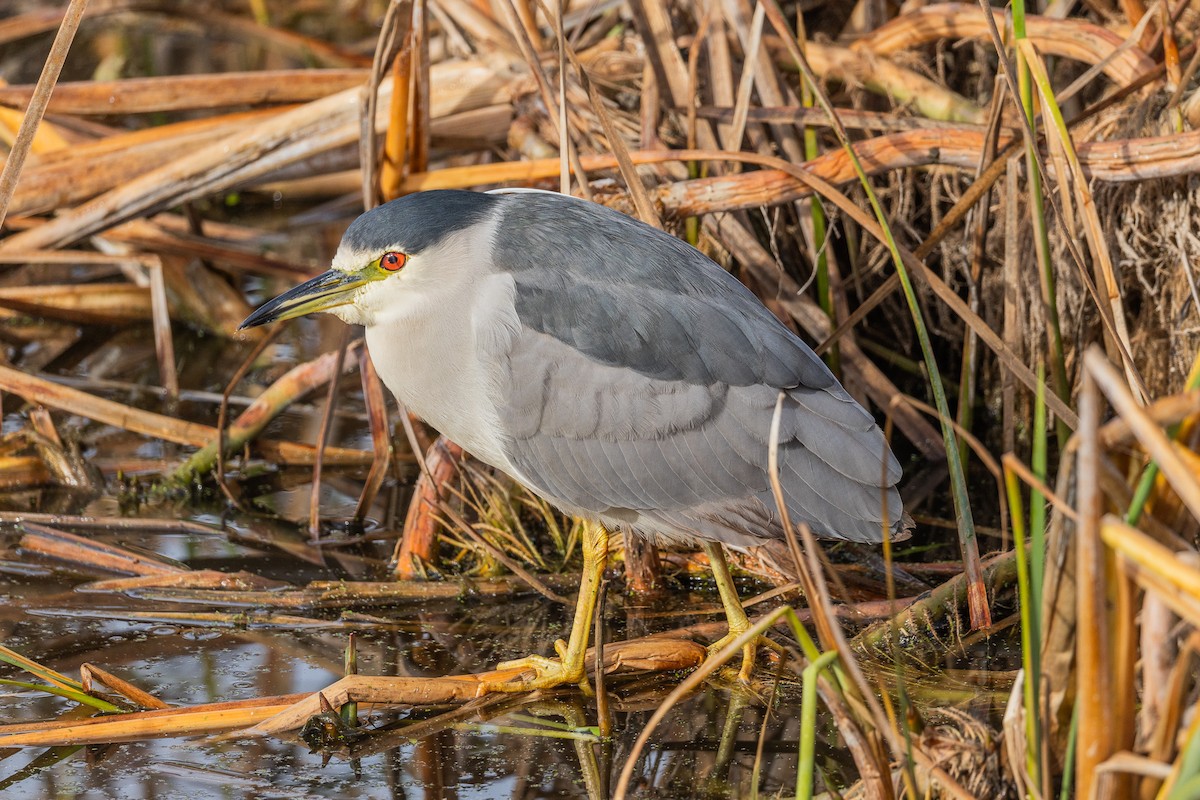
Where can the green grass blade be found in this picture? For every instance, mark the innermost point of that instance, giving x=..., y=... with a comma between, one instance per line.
x=9, y=656
x=1037, y=503
x=806, y=772
x=69, y=694
x=1030, y=637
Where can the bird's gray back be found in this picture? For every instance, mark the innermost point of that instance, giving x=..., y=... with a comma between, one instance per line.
x=641, y=384
x=580, y=267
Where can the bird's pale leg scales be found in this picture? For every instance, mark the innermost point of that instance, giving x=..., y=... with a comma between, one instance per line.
x=569, y=667
x=739, y=623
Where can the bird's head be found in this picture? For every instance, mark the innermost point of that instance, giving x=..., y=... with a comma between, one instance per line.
x=387, y=252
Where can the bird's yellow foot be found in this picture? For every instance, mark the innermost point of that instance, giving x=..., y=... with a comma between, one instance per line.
x=749, y=652
x=549, y=673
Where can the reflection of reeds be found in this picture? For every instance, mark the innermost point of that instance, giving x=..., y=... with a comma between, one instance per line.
x=697, y=116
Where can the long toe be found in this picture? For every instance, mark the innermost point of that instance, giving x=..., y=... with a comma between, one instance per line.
x=548, y=673
x=750, y=653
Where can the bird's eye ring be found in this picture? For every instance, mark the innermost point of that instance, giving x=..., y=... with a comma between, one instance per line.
x=392, y=262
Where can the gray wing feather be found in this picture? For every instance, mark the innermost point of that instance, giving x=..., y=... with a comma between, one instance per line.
x=642, y=388
x=610, y=303
x=708, y=476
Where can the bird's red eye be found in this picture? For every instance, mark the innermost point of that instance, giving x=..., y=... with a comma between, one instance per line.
x=392, y=262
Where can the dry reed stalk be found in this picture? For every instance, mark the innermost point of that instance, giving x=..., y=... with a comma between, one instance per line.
x=759, y=71
x=1170, y=410
x=395, y=151
x=191, y=92
x=653, y=23
x=108, y=523
x=157, y=426
x=395, y=36
x=334, y=371
x=201, y=579
x=164, y=344
x=251, y=153
x=481, y=25
x=646, y=210
x=39, y=99
x=1167, y=454
x=90, y=304
x=656, y=654
x=1124, y=160
x=154, y=235
x=46, y=141
x=359, y=594
x=1017, y=85
x=559, y=123
x=82, y=550
x=160, y=724
x=241, y=620
x=929, y=98
x=106, y=141
x=720, y=77
x=1160, y=653
x=422, y=89
x=76, y=258
x=85, y=170
x=417, y=543
x=1074, y=39
x=1125, y=657
x=205, y=298
x=38, y=390
x=852, y=118
x=1164, y=737
x=90, y=674
x=1156, y=568
x=1092, y=649
x=65, y=470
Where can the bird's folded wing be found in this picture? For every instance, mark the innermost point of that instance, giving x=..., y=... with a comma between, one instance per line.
x=612, y=441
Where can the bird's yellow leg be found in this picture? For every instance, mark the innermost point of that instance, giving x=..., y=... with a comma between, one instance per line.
x=569, y=667
x=739, y=623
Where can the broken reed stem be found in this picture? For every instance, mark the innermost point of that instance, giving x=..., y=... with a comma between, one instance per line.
x=164, y=344
x=36, y=109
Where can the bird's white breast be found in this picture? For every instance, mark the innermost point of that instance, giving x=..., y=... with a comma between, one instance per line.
x=429, y=337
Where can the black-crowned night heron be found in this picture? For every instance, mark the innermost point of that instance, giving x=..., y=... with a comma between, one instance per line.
x=611, y=368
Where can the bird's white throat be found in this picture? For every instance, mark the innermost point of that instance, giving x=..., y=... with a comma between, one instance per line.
x=424, y=330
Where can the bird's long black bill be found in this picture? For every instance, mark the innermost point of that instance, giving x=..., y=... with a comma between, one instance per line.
x=326, y=291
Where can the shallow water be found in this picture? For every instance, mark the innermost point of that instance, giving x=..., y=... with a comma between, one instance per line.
x=700, y=750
